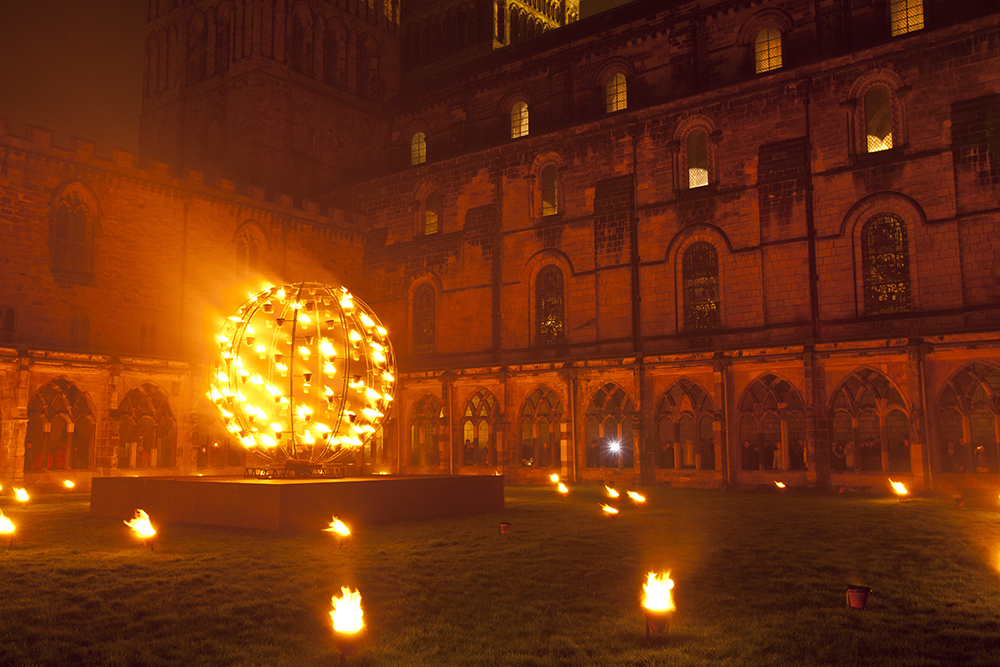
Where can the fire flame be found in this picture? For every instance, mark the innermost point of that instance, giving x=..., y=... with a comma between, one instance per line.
x=347, y=612
x=657, y=592
x=780, y=485
x=22, y=495
x=609, y=509
x=611, y=492
x=554, y=477
x=639, y=498
x=140, y=524
x=6, y=527
x=68, y=484
x=339, y=527
x=899, y=488
x=562, y=488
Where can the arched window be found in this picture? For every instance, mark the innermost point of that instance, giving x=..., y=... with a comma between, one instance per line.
x=147, y=432
x=301, y=46
x=684, y=433
x=427, y=415
x=478, y=426
x=871, y=426
x=550, y=190
x=519, y=120
x=550, y=306
x=418, y=149
x=432, y=214
x=616, y=93
x=968, y=421
x=71, y=235
x=697, y=158
x=700, y=272
x=368, y=85
x=608, y=425
x=60, y=428
x=541, y=429
x=767, y=50
x=885, y=260
x=906, y=16
x=247, y=256
x=772, y=425
x=197, y=49
x=878, y=119
x=424, y=319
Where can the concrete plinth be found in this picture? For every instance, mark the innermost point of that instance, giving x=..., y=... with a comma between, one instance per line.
x=306, y=504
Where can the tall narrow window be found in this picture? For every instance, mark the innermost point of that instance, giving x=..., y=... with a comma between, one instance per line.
x=772, y=425
x=427, y=414
x=222, y=28
x=519, y=120
x=906, y=16
x=331, y=56
x=69, y=248
x=549, y=300
x=550, y=190
x=541, y=429
x=767, y=50
x=878, y=119
x=697, y=159
x=701, y=287
x=885, y=261
x=197, y=49
x=301, y=47
x=609, y=424
x=432, y=214
x=616, y=93
x=147, y=431
x=418, y=149
x=424, y=319
x=478, y=426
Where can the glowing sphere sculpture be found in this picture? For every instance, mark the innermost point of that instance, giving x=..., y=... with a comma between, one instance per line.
x=305, y=372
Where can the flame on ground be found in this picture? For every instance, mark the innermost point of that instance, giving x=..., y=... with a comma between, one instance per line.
x=657, y=592
x=899, y=488
x=609, y=509
x=69, y=484
x=347, y=614
x=339, y=527
x=562, y=488
x=554, y=477
x=140, y=524
x=780, y=485
x=21, y=494
x=6, y=527
x=636, y=497
x=611, y=492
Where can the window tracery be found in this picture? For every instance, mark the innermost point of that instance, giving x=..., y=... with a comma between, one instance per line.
x=700, y=272
x=772, y=425
x=541, y=429
x=549, y=305
x=427, y=415
x=60, y=429
x=147, y=431
x=885, y=257
x=478, y=427
x=871, y=426
x=608, y=426
x=685, y=437
x=424, y=319
x=968, y=421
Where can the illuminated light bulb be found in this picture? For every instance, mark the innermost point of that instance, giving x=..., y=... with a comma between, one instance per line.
x=327, y=348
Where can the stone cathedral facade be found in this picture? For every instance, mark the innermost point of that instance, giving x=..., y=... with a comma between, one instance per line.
x=700, y=243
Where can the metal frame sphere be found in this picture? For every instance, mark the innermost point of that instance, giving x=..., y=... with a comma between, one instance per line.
x=305, y=372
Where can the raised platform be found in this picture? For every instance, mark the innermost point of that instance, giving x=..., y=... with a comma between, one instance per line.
x=307, y=504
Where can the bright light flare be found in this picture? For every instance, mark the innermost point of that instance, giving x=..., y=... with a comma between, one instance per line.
x=615, y=446
x=339, y=527
x=347, y=614
x=140, y=525
x=636, y=497
x=657, y=596
x=68, y=483
x=554, y=477
x=6, y=527
x=608, y=509
x=562, y=488
x=611, y=492
x=899, y=488
x=21, y=495
x=780, y=485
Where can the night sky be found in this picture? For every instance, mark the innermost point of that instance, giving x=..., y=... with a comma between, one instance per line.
x=75, y=66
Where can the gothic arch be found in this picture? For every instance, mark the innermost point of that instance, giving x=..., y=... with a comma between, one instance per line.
x=967, y=420
x=61, y=427
x=609, y=422
x=685, y=437
x=477, y=425
x=74, y=225
x=539, y=429
x=772, y=417
x=870, y=423
x=881, y=75
x=147, y=428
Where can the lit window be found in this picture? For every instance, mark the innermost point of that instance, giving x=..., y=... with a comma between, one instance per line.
x=549, y=300
x=885, y=262
x=700, y=273
x=767, y=50
x=519, y=120
x=697, y=159
x=906, y=16
x=550, y=190
x=432, y=213
x=878, y=119
x=616, y=93
x=418, y=149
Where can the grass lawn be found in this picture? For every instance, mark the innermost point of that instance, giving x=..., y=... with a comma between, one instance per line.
x=760, y=580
